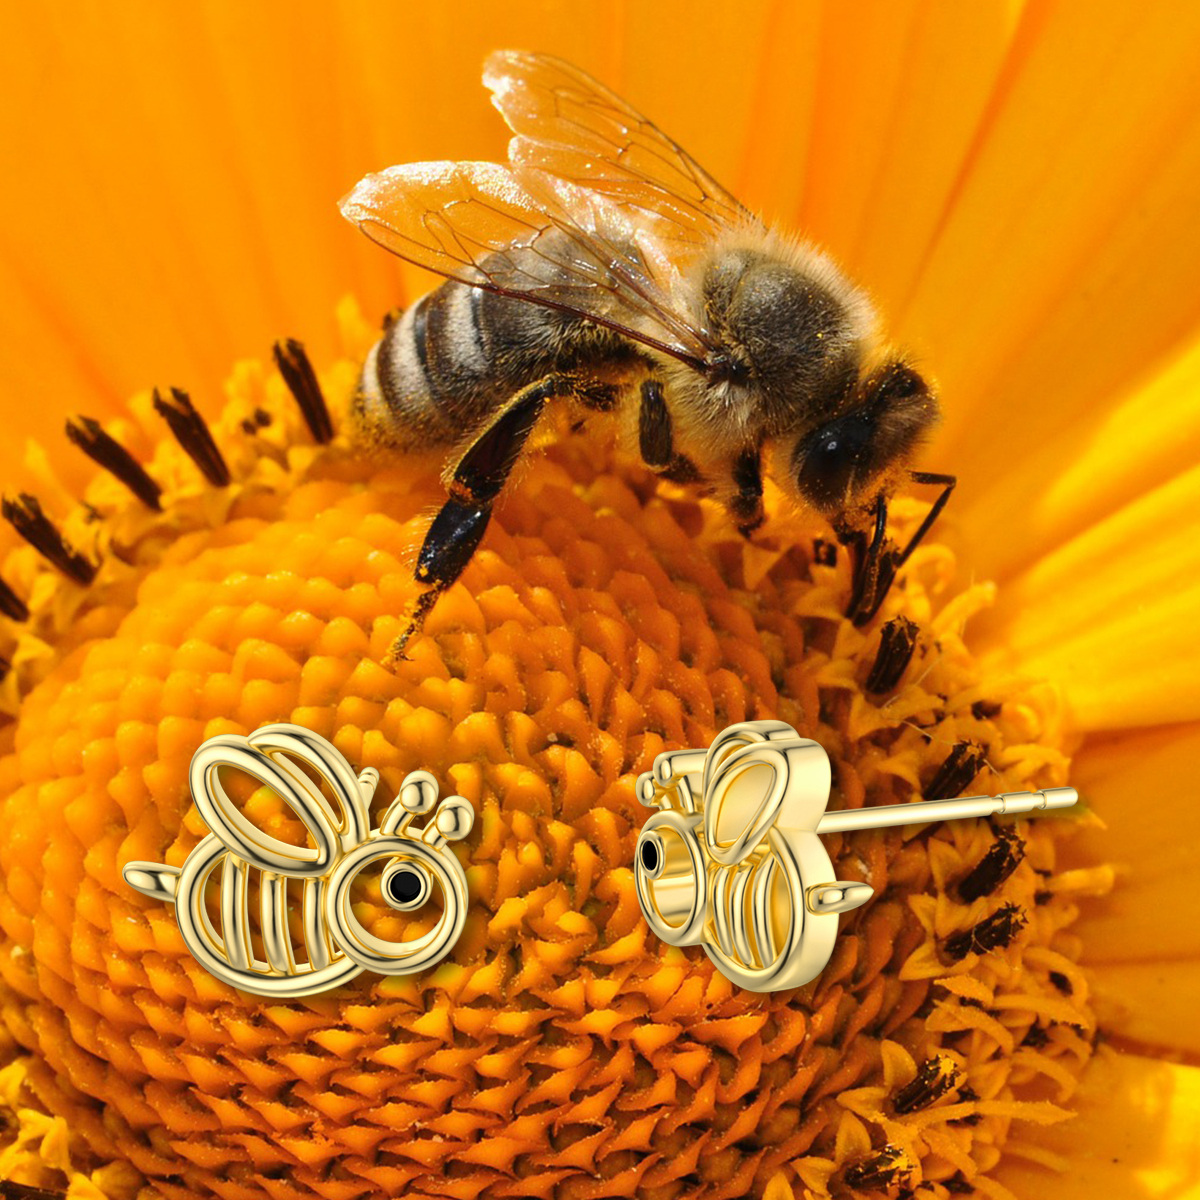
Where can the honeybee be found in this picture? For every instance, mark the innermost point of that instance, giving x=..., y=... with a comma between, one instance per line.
x=605, y=269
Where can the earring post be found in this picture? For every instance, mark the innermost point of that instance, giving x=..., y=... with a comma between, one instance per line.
x=848, y=820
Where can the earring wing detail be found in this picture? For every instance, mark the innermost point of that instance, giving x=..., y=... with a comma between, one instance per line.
x=336, y=944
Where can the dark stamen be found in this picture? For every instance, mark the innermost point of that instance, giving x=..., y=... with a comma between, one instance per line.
x=257, y=420
x=824, y=553
x=301, y=379
x=26, y=517
x=936, y=1077
x=960, y=766
x=24, y=1191
x=11, y=605
x=889, y=1168
x=192, y=433
x=991, y=933
x=994, y=867
x=1061, y=982
x=897, y=641
x=102, y=448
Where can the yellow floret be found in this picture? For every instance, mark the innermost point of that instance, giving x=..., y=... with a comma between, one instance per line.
x=560, y=1050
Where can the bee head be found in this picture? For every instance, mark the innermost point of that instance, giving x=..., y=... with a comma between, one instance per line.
x=889, y=411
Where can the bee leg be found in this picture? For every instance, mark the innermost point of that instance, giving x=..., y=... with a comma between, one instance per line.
x=885, y=564
x=869, y=565
x=947, y=483
x=746, y=506
x=656, y=440
x=474, y=482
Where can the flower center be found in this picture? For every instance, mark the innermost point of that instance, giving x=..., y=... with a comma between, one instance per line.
x=260, y=575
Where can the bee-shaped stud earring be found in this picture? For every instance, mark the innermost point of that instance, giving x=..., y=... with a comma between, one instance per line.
x=733, y=861
x=337, y=946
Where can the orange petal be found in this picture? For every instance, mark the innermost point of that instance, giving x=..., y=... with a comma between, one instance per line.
x=1068, y=256
x=1141, y=942
x=1149, y=1004
x=1142, y=785
x=1111, y=614
x=904, y=90
x=1137, y=1134
x=1128, y=443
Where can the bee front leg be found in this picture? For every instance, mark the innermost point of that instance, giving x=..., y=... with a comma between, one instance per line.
x=872, y=568
x=877, y=565
x=947, y=483
x=473, y=483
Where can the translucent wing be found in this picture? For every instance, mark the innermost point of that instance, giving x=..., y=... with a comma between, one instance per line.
x=475, y=223
x=570, y=128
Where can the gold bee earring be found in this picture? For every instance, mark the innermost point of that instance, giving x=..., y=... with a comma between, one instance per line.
x=733, y=861
x=337, y=945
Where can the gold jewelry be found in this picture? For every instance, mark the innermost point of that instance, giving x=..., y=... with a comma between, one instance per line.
x=733, y=861
x=337, y=945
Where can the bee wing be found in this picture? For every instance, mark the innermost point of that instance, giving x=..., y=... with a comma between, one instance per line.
x=475, y=223
x=573, y=129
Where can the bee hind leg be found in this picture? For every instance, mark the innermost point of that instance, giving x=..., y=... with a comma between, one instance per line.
x=473, y=483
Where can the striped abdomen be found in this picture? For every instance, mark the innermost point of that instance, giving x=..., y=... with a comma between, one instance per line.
x=459, y=353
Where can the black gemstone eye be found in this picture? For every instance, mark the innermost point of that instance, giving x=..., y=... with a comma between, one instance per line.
x=404, y=887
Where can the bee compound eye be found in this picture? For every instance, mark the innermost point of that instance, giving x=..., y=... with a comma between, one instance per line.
x=826, y=459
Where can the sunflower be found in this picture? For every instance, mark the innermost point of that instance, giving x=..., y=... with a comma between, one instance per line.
x=1016, y=185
